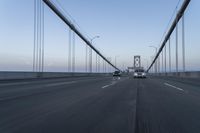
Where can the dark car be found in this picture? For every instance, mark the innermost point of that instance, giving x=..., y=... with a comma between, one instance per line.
x=117, y=74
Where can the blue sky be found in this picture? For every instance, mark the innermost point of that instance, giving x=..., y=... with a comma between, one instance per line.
x=126, y=28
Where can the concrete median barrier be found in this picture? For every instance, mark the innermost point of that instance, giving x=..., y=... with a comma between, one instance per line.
x=7, y=75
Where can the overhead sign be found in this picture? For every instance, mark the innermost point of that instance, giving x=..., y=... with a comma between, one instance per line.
x=137, y=62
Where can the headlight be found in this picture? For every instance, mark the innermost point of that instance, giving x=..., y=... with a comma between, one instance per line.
x=143, y=74
x=135, y=74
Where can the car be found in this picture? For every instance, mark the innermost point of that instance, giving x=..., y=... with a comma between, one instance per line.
x=139, y=73
x=116, y=74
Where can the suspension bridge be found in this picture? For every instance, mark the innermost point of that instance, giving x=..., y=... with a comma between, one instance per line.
x=90, y=99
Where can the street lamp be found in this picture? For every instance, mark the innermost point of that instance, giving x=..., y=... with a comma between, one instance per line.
x=156, y=65
x=91, y=53
x=116, y=60
x=110, y=59
x=147, y=62
x=94, y=38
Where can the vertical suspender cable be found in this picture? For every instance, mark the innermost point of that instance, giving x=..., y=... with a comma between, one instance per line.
x=165, y=58
x=169, y=55
x=42, y=37
x=86, y=58
x=73, y=52
x=162, y=63
x=90, y=60
x=158, y=65
x=34, y=40
x=183, y=41
x=103, y=65
x=69, y=54
x=96, y=62
x=37, y=40
x=177, y=48
x=99, y=64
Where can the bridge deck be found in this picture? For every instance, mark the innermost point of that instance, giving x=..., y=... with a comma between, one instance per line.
x=100, y=105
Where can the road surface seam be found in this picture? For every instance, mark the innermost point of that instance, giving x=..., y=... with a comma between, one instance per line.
x=62, y=83
x=41, y=82
x=9, y=84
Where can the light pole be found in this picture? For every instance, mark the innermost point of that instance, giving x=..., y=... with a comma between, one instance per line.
x=116, y=60
x=169, y=55
x=86, y=58
x=153, y=64
x=110, y=59
x=91, y=53
x=183, y=42
x=156, y=65
x=177, y=47
x=147, y=63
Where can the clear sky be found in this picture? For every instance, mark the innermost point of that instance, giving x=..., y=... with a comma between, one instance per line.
x=126, y=28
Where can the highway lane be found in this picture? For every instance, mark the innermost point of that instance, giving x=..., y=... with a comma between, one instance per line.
x=15, y=89
x=100, y=105
x=167, y=106
x=84, y=106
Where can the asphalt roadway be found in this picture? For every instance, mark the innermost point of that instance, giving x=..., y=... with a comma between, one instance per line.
x=100, y=105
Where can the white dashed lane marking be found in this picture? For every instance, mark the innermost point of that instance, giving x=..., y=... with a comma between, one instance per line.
x=173, y=86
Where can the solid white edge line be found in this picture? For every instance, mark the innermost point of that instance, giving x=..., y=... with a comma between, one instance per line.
x=173, y=86
x=18, y=83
